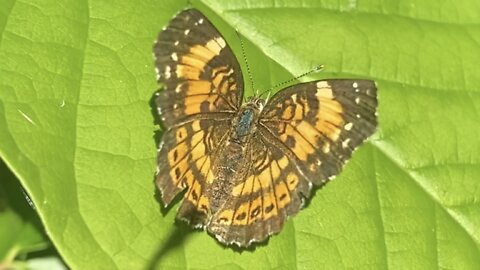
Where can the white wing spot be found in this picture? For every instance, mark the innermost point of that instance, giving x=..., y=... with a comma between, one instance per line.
x=216, y=45
x=200, y=21
x=345, y=143
x=221, y=42
x=176, y=43
x=175, y=105
x=322, y=84
x=178, y=88
x=357, y=115
x=357, y=100
x=348, y=126
x=326, y=148
x=355, y=85
x=167, y=72
x=186, y=32
x=357, y=90
x=324, y=90
x=174, y=57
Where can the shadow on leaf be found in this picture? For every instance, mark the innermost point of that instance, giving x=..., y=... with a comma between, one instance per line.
x=177, y=237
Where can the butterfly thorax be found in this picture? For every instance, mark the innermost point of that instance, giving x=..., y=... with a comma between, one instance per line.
x=245, y=123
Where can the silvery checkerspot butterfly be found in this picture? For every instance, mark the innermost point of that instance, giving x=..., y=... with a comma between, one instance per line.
x=246, y=167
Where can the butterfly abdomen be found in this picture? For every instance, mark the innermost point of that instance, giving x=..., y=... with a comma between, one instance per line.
x=229, y=170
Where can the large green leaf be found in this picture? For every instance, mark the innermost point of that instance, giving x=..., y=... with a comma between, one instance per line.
x=76, y=79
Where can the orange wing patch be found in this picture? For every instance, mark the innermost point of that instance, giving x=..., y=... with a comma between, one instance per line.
x=321, y=123
x=330, y=119
x=308, y=122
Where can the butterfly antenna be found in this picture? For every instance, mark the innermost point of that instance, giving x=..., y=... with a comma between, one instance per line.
x=268, y=97
x=315, y=69
x=246, y=62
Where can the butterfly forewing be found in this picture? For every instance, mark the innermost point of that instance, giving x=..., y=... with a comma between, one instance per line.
x=320, y=123
x=203, y=89
x=198, y=69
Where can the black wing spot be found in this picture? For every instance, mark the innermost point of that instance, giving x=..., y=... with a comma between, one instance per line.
x=175, y=155
x=222, y=219
x=177, y=173
x=242, y=216
x=205, y=106
x=290, y=141
x=255, y=212
x=194, y=195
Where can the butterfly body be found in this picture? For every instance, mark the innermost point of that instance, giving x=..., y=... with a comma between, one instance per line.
x=245, y=168
x=232, y=164
x=229, y=170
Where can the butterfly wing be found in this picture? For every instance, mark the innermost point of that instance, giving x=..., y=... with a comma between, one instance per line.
x=184, y=162
x=319, y=124
x=259, y=206
x=199, y=70
x=306, y=134
x=203, y=88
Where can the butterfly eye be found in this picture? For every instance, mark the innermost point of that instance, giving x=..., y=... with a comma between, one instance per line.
x=259, y=103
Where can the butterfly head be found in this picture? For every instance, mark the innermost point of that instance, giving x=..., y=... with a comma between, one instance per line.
x=255, y=103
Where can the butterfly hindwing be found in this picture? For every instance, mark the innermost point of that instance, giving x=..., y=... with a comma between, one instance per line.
x=258, y=206
x=321, y=123
x=184, y=162
x=199, y=70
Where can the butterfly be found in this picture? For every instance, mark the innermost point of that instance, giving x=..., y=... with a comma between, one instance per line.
x=245, y=167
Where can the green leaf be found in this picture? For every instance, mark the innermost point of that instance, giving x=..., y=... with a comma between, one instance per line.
x=76, y=79
x=20, y=228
